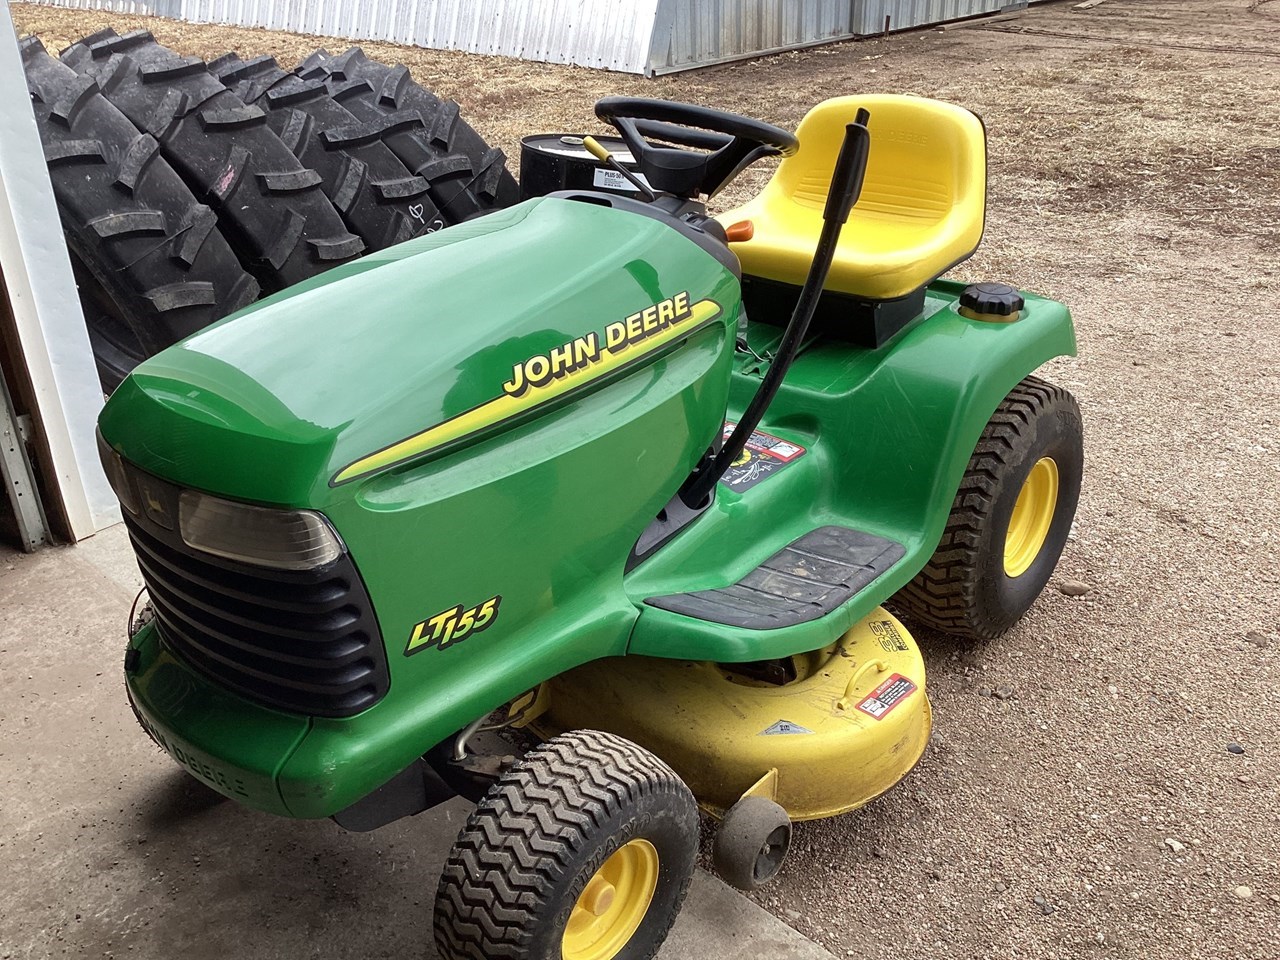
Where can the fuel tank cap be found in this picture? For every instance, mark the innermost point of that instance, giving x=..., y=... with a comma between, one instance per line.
x=992, y=302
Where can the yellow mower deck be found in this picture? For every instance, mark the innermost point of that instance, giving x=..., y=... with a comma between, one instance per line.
x=851, y=725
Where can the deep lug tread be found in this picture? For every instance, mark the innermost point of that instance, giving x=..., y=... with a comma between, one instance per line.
x=133, y=162
x=129, y=223
x=226, y=152
x=196, y=226
x=73, y=150
x=466, y=176
x=189, y=293
x=74, y=96
x=152, y=265
x=235, y=118
x=304, y=114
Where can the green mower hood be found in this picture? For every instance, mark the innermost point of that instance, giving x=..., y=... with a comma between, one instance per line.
x=415, y=351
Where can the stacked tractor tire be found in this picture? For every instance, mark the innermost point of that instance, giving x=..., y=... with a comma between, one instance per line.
x=188, y=190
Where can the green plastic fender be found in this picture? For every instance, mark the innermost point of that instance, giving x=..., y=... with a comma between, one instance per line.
x=888, y=434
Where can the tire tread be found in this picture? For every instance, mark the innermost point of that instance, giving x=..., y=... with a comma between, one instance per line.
x=529, y=829
x=153, y=249
x=223, y=149
x=944, y=594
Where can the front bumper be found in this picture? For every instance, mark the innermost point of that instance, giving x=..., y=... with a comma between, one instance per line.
x=236, y=747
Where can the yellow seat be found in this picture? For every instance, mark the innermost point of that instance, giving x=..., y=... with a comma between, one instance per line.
x=920, y=213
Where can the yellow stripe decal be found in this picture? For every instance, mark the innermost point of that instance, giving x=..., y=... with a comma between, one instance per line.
x=541, y=379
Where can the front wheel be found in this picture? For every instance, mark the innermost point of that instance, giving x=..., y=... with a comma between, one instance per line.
x=583, y=850
x=1010, y=518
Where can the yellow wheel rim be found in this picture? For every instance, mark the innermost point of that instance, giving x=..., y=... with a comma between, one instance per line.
x=612, y=904
x=1032, y=515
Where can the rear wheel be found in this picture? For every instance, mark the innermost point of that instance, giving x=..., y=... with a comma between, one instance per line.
x=1010, y=518
x=583, y=850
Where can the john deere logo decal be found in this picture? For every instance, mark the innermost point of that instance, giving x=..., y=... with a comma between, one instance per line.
x=548, y=376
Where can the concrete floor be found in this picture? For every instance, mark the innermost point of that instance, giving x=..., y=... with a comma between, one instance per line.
x=108, y=850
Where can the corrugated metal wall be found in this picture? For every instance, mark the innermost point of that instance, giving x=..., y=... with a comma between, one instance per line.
x=689, y=33
x=633, y=36
x=609, y=34
x=869, y=15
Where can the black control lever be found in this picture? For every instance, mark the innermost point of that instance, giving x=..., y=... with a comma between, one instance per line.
x=846, y=187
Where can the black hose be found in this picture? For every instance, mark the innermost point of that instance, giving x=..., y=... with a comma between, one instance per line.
x=846, y=185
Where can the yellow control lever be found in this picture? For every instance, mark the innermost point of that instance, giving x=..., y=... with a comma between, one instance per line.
x=596, y=149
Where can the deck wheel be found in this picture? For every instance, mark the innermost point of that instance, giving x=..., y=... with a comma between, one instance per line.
x=752, y=842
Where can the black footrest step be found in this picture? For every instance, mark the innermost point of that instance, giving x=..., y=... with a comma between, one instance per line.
x=802, y=582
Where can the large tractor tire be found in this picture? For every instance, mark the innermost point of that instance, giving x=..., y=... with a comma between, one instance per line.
x=583, y=850
x=467, y=177
x=149, y=259
x=1010, y=518
x=270, y=207
x=185, y=193
x=377, y=196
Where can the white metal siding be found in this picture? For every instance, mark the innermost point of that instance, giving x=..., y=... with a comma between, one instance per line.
x=633, y=36
x=53, y=345
x=610, y=34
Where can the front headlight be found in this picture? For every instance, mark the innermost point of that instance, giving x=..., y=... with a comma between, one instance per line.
x=113, y=466
x=284, y=539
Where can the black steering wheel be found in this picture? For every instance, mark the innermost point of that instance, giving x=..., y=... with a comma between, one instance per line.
x=733, y=141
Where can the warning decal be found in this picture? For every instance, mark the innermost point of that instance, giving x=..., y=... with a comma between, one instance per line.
x=783, y=728
x=887, y=696
x=763, y=456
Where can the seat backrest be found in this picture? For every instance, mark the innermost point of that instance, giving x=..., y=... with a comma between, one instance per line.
x=927, y=161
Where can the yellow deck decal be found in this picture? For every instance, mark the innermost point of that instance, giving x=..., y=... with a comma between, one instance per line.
x=546, y=377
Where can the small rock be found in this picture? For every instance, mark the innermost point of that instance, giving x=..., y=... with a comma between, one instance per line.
x=1235, y=748
x=935, y=873
x=984, y=691
x=1038, y=900
x=1000, y=887
x=1046, y=908
x=1257, y=639
x=1003, y=692
x=879, y=852
x=1112, y=689
x=1244, y=778
x=791, y=915
x=1074, y=588
x=1174, y=845
x=1243, y=892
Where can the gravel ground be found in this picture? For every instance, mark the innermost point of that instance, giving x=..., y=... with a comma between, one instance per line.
x=1119, y=796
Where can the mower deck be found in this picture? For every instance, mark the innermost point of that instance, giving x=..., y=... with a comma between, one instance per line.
x=847, y=723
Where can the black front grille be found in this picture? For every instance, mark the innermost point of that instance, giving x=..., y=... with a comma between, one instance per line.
x=301, y=641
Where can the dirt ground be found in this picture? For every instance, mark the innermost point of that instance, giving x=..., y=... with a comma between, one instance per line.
x=1096, y=810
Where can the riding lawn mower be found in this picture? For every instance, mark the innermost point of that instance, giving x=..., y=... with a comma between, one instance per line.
x=628, y=484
